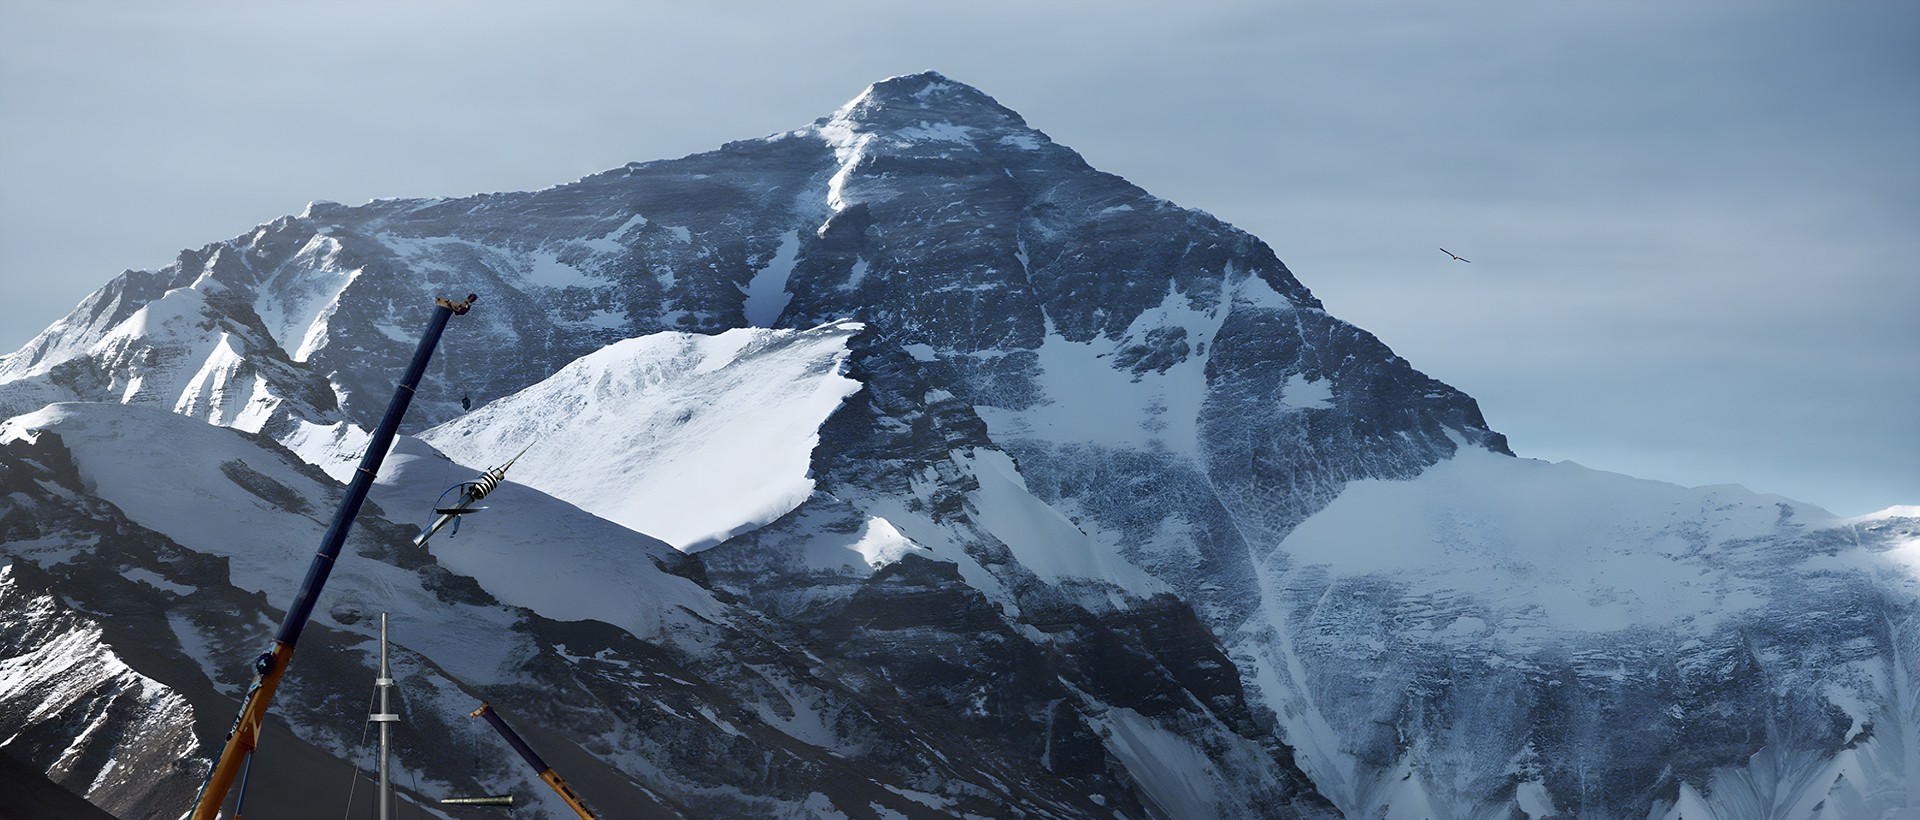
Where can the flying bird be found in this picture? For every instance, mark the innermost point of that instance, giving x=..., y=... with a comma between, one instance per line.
x=1456, y=256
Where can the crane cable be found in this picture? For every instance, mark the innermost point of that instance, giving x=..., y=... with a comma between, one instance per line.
x=354, y=784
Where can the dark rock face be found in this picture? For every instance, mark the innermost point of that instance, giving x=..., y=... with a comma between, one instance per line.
x=1039, y=672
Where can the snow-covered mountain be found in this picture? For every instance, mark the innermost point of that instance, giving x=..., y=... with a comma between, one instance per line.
x=900, y=464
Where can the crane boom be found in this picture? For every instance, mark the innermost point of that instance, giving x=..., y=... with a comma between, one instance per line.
x=547, y=774
x=271, y=665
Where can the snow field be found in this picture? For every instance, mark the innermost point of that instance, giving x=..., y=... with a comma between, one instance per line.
x=1577, y=549
x=690, y=439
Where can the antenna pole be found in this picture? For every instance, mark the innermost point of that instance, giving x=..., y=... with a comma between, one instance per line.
x=386, y=719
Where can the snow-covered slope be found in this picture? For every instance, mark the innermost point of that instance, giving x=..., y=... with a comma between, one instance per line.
x=1562, y=637
x=196, y=351
x=660, y=698
x=120, y=455
x=1559, y=546
x=605, y=572
x=691, y=439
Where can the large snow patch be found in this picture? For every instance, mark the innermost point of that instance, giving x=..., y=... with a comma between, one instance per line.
x=690, y=439
x=1590, y=551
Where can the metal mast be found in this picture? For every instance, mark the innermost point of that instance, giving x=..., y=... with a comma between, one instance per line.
x=386, y=718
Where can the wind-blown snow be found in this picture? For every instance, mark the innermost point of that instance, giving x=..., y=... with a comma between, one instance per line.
x=849, y=147
x=690, y=439
x=1895, y=511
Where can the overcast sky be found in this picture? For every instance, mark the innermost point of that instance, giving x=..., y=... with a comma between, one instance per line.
x=1693, y=225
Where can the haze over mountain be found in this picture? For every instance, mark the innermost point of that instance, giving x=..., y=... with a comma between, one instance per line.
x=900, y=464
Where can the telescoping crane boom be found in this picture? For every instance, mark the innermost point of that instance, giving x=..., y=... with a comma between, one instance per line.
x=271, y=666
x=547, y=774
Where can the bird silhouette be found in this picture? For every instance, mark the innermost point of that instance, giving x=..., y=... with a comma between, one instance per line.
x=1456, y=256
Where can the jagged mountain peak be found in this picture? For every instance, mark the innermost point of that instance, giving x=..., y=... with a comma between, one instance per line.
x=927, y=100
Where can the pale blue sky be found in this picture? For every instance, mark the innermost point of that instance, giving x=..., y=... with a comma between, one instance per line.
x=1692, y=225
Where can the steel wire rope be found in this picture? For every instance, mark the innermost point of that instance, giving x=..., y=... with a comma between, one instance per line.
x=354, y=784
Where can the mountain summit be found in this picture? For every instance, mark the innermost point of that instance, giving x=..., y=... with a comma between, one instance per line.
x=905, y=102
x=904, y=464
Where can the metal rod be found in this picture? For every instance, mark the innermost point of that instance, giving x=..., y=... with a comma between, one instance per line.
x=385, y=718
x=489, y=800
x=240, y=801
